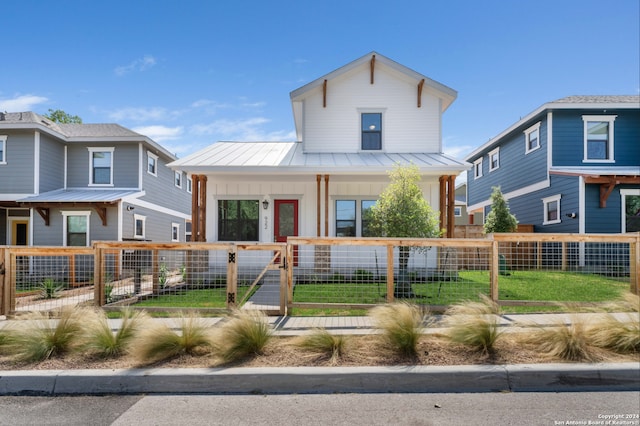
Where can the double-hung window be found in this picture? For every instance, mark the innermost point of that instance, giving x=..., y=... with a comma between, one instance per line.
x=353, y=218
x=598, y=138
x=532, y=138
x=175, y=232
x=177, y=180
x=101, y=166
x=3, y=149
x=238, y=220
x=139, y=226
x=551, y=210
x=494, y=159
x=152, y=163
x=477, y=168
x=75, y=228
x=371, y=131
x=189, y=185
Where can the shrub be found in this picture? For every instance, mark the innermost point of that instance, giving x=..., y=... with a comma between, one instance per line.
x=50, y=289
x=244, y=333
x=320, y=340
x=474, y=324
x=362, y=276
x=401, y=326
x=99, y=339
x=38, y=337
x=158, y=341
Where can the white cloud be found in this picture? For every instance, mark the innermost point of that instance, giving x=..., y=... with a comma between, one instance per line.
x=141, y=64
x=243, y=130
x=160, y=133
x=21, y=103
x=143, y=114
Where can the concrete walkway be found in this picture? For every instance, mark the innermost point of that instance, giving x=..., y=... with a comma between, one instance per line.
x=468, y=378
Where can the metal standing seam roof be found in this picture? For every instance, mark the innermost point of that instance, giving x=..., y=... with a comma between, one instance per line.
x=284, y=157
x=80, y=196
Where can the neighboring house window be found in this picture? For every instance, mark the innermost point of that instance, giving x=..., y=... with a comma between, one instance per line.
x=139, y=226
x=3, y=149
x=371, y=131
x=175, y=232
x=75, y=228
x=178, y=179
x=631, y=210
x=187, y=231
x=551, y=210
x=353, y=220
x=189, y=185
x=152, y=164
x=238, y=220
x=532, y=138
x=598, y=138
x=494, y=159
x=457, y=211
x=101, y=167
x=477, y=168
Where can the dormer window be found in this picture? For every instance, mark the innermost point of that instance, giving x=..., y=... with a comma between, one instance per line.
x=371, y=131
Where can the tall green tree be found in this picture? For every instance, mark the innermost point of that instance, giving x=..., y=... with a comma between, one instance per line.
x=499, y=218
x=402, y=211
x=59, y=116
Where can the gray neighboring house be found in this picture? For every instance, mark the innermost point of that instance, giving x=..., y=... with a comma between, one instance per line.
x=72, y=184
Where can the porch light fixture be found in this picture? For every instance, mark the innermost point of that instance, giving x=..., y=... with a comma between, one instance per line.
x=265, y=204
x=572, y=215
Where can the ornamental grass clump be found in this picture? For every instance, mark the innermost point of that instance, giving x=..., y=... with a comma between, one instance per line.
x=244, y=333
x=321, y=341
x=566, y=341
x=99, y=339
x=401, y=325
x=158, y=341
x=618, y=332
x=38, y=337
x=474, y=324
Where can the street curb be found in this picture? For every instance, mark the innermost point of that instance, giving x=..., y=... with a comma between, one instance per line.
x=323, y=380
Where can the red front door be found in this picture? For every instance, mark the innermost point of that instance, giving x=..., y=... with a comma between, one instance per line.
x=286, y=223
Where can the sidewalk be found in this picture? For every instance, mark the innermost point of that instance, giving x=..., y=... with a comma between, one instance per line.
x=557, y=377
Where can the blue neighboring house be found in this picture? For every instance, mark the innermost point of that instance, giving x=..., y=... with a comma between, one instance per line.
x=570, y=166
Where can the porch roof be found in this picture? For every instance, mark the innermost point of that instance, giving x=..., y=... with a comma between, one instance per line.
x=109, y=196
x=596, y=170
x=288, y=157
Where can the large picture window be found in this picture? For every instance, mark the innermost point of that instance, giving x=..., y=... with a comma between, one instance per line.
x=353, y=218
x=238, y=220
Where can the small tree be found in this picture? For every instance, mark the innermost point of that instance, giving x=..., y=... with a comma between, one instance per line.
x=499, y=218
x=402, y=211
x=59, y=116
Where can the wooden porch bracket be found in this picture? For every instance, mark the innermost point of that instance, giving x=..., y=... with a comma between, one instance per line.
x=372, y=65
x=102, y=212
x=44, y=214
x=420, y=85
x=608, y=183
x=324, y=94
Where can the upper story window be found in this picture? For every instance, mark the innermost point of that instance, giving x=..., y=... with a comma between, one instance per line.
x=532, y=138
x=477, y=168
x=101, y=166
x=494, y=159
x=371, y=131
x=551, y=210
x=75, y=228
x=3, y=149
x=177, y=180
x=598, y=138
x=189, y=185
x=152, y=163
x=139, y=226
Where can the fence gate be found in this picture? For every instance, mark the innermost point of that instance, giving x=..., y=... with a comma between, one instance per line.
x=261, y=277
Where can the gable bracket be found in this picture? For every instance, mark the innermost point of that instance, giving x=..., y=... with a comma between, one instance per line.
x=608, y=183
x=324, y=94
x=44, y=214
x=102, y=212
x=420, y=85
x=373, y=65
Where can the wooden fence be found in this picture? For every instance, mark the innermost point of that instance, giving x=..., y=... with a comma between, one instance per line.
x=110, y=274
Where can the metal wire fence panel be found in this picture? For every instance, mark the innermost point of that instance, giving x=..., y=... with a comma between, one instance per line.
x=260, y=275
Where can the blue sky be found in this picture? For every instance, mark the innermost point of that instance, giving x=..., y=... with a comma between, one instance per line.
x=189, y=73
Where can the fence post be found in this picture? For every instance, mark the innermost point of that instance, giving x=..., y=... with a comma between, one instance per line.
x=390, y=283
x=232, y=277
x=155, y=272
x=284, y=267
x=494, y=270
x=99, y=296
x=634, y=261
x=4, y=282
x=289, y=289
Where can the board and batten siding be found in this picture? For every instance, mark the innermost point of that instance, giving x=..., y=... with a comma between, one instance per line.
x=125, y=164
x=51, y=164
x=405, y=127
x=16, y=177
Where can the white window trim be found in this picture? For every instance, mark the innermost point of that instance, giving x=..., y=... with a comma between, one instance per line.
x=477, y=168
x=175, y=226
x=608, y=118
x=177, y=175
x=491, y=154
x=457, y=211
x=98, y=149
x=67, y=213
x=155, y=159
x=3, y=148
x=527, y=135
x=189, y=185
x=382, y=112
x=623, y=204
x=136, y=218
x=545, y=203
